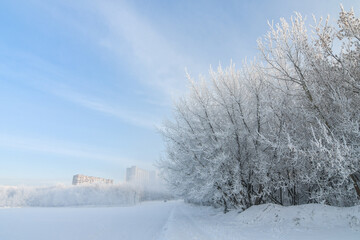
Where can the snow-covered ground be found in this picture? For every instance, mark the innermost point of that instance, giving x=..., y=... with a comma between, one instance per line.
x=176, y=220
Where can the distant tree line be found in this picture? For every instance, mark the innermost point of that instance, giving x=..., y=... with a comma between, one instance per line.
x=283, y=129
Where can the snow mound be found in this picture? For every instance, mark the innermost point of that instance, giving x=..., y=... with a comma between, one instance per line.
x=302, y=216
x=268, y=221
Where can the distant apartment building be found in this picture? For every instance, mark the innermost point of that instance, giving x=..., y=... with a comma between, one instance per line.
x=79, y=179
x=140, y=176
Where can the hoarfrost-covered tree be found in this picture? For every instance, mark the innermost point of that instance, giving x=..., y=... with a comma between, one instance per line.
x=284, y=129
x=324, y=85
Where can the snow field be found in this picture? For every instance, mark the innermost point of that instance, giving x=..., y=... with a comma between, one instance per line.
x=175, y=220
x=144, y=221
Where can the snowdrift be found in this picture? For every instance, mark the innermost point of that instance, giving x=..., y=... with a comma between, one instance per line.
x=308, y=221
x=85, y=195
x=267, y=221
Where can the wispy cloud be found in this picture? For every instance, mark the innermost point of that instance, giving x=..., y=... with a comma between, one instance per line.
x=95, y=104
x=158, y=65
x=51, y=79
x=134, y=41
x=51, y=146
x=156, y=61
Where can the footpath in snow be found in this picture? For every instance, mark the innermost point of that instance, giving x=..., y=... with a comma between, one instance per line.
x=176, y=220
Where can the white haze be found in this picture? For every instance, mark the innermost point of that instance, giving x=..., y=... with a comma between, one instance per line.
x=86, y=195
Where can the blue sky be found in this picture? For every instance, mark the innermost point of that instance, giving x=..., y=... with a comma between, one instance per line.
x=84, y=84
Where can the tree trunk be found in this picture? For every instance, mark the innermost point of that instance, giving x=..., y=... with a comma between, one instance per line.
x=356, y=186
